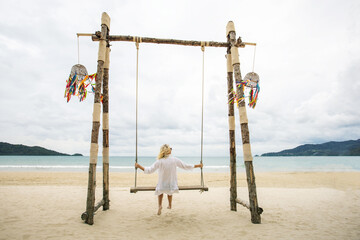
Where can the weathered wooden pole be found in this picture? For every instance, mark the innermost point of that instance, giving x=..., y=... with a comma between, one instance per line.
x=254, y=208
x=231, y=99
x=89, y=216
x=112, y=38
x=105, y=153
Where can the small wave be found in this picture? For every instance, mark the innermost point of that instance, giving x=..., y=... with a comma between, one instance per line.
x=214, y=167
x=122, y=167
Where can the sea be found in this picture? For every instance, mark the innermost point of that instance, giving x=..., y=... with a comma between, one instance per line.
x=211, y=164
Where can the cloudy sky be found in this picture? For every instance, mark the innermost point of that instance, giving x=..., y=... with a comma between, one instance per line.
x=307, y=57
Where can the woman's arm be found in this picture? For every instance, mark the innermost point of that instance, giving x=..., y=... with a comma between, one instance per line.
x=186, y=166
x=139, y=166
x=150, y=169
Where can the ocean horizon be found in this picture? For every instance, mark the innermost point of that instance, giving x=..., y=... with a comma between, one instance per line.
x=211, y=164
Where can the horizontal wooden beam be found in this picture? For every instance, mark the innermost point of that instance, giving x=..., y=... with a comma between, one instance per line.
x=247, y=205
x=84, y=215
x=181, y=188
x=241, y=202
x=84, y=34
x=99, y=204
x=123, y=38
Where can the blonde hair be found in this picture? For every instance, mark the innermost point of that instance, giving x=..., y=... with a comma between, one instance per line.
x=165, y=151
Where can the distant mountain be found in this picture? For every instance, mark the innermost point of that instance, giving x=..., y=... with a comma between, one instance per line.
x=19, y=149
x=346, y=148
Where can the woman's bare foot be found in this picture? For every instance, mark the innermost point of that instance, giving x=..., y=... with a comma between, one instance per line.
x=159, y=211
x=169, y=207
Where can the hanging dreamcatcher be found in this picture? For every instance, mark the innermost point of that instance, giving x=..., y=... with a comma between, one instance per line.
x=78, y=81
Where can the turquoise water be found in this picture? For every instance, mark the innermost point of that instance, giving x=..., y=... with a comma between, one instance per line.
x=211, y=164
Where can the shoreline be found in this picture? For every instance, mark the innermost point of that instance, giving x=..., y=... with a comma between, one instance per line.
x=336, y=180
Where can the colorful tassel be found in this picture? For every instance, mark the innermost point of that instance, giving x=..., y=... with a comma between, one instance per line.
x=253, y=97
x=74, y=86
x=253, y=93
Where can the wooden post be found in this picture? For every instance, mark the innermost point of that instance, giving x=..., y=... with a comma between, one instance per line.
x=231, y=99
x=254, y=208
x=89, y=216
x=105, y=152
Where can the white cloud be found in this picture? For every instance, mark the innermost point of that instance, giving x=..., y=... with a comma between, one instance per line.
x=307, y=59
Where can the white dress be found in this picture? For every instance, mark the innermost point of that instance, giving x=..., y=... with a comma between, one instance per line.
x=167, y=181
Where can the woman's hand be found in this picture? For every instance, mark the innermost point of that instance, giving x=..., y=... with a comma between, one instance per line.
x=139, y=166
x=199, y=165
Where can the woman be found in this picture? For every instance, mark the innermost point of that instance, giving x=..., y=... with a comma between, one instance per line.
x=167, y=181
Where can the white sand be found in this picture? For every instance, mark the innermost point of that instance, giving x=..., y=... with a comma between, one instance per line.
x=34, y=206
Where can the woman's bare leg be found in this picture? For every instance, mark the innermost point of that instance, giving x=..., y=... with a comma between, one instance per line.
x=170, y=201
x=160, y=198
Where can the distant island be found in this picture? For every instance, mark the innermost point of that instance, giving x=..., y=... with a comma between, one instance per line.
x=346, y=148
x=21, y=150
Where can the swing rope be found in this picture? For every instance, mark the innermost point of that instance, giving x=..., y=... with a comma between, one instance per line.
x=254, y=59
x=137, y=103
x=202, y=111
x=78, y=48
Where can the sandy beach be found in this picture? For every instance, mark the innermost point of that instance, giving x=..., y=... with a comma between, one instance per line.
x=315, y=205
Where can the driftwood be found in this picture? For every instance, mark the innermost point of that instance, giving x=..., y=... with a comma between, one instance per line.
x=105, y=105
x=89, y=216
x=84, y=215
x=90, y=195
x=123, y=38
x=241, y=202
x=98, y=205
x=255, y=216
x=233, y=184
x=106, y=186
x=247, y=205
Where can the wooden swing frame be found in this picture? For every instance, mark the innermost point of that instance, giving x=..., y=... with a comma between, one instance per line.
x=102, y=78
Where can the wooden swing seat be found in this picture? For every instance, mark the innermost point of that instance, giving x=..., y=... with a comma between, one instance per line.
x=143, y=189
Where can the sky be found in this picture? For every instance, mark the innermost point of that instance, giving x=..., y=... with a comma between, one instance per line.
x=307, y=57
